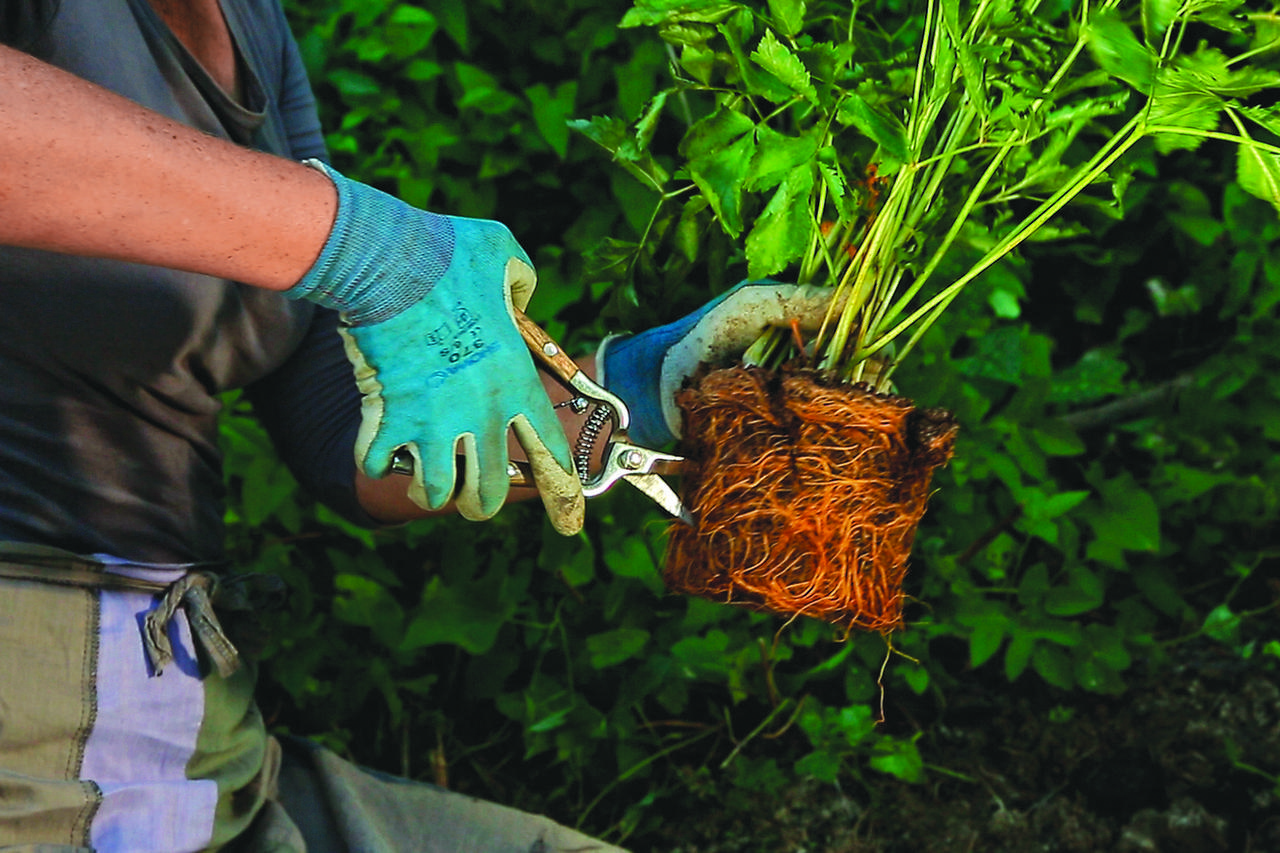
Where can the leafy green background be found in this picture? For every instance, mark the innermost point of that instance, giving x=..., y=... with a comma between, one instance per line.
x=1073, y=541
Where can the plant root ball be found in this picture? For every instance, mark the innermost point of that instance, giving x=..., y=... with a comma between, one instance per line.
x=806, y=495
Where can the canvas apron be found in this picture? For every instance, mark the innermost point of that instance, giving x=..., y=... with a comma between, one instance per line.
x=127, y=725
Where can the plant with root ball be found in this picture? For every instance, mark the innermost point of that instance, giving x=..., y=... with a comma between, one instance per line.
x=895, y=152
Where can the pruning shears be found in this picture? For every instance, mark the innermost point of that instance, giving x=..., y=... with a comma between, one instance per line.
x=639, y=466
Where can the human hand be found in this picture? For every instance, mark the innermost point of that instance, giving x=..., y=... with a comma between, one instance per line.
x=647, y=369
x=427, y=304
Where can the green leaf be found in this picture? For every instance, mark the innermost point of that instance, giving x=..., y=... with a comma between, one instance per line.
x=776, y=58
x=970, y=68
x=1128, y=519
x=1054, y=666
x=1057, y=439
x=1095, y=376
x=899, y=758
x=609, y=133
x=551, y=112
x=1117, y=50
x=819, y=764
x=1193, y=111
x=1083, y=592
x=707, y=653
x=468, y=615
x=1210, y=71
x=1157, y=15
x=452, y=15
x=999, y=354
x=721, y=178
x=647, y=13
x=837, y=185
x=1223, y=625
x=481, y=91
x=986, y=639
x=875, y=123
x=647, y=125
x=777, y=155
x=353, y=85
x=754, y=80
x=714, y=133
x=267, y=486
x=788, y=14
x=1057, y=631
x=1265, y=117
x=409, y=30
x=630, y=558
x=1106, y=642
x=785, y=227
x=1183, y=483
x=1159, y=591
x=1018, y=655
x=573, y=557
x=1258, y=171
x=1034, y=585
x=367, y=603
x=613, y=647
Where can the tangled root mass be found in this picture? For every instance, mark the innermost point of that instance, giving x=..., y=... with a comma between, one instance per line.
x=806, y=495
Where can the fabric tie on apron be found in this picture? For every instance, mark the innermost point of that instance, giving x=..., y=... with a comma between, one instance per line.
x=196, y=593
x=193, y=593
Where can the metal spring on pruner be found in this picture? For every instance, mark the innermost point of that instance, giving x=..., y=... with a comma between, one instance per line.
x=585, y=445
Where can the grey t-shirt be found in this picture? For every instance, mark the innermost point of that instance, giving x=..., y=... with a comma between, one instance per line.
x=110, y=372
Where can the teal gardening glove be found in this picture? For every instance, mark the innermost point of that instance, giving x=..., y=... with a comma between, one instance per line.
x=427, y=303
x=647, y=369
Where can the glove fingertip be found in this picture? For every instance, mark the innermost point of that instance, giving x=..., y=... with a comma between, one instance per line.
x=485, y=482
x=556, y=479
x=434, y=478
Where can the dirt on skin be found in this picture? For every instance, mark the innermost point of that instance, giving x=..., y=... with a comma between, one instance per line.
x=1187, y=760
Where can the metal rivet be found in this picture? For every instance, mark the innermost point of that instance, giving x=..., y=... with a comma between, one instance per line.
x=631, y=460
x=550, y=349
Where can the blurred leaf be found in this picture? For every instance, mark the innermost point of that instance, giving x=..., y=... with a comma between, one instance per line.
x=1126, y=519
x=468, y=615
x=1116, y=49
x=1083, y=592
x=899, y=758
x=1259, y=173
x=551, y=112
x=613, y=647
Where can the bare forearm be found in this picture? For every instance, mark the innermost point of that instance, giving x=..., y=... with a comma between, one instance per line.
x=88, y=172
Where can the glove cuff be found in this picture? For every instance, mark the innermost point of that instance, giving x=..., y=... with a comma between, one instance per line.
x=631, y=367
x=368, y=286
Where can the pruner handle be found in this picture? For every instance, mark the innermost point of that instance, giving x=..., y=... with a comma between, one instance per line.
x=547, y=351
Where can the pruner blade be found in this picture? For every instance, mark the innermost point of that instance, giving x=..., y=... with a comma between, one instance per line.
x=640, y=467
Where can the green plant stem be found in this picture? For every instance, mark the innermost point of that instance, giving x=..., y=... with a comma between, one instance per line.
x=737, y=747
x=889, y=314
x=927, y=314
x=1237, y=139
x=636, y=768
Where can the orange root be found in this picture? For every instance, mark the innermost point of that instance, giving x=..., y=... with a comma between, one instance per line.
x=806, y=496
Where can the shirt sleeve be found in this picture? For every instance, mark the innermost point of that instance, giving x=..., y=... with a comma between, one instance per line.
x=297, y=102
x=310, y=407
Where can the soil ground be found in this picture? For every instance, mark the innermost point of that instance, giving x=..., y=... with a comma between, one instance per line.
x=1187, y=760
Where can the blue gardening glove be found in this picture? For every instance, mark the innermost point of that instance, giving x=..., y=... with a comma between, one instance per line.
x=647, y=369
x=426, y=303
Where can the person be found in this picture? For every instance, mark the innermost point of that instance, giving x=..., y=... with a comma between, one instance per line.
x=170, y=229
